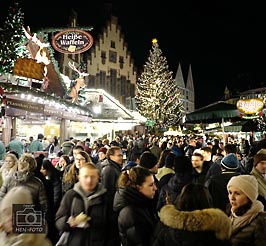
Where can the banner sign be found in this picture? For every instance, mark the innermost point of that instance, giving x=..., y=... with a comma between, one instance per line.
x=250, y=106
x=72, y=41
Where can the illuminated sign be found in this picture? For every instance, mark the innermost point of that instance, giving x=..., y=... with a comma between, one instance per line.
x=250, y=106
x=72, y=41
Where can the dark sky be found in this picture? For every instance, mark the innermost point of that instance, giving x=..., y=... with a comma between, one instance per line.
x=224, y=41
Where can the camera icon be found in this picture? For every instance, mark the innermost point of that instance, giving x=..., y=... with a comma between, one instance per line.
x=28, y=217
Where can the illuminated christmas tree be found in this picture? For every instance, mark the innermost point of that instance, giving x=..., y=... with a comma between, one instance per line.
x=12, y=40
x=158, y=96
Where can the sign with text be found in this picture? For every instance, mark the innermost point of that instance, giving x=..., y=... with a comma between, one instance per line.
x=27, y=106
x=250, y=106
x=72, y=41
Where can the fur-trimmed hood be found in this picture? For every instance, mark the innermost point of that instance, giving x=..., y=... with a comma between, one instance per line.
x=210, y=219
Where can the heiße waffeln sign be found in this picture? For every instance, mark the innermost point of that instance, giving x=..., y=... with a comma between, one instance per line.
x=72, y=41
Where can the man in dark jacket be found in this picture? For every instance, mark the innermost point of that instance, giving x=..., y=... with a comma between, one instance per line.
x=217, y=184
x=83, y=210
x=109, y=176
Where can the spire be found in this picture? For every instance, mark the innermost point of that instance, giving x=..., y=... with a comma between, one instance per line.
x=227, y=93
x=179, y=79
x=190, y=83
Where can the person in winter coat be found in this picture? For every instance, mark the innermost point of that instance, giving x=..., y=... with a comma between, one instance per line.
x=259, y=172
x=217, y=184
x=183, y=176
x=70, y=175
x=246, y=212
x=133, y=202
x=8, y=237
x=192, y=221
x=25, y=177
x=9, y=167
x=83, y=210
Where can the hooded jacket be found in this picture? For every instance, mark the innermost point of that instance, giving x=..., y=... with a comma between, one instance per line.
x=198, y=228
x=93, y=205
x=34, y=184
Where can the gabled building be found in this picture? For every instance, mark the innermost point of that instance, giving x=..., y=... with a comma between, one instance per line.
x=110, y=64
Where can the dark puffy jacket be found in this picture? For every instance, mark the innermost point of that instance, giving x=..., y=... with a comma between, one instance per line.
x=136, y=218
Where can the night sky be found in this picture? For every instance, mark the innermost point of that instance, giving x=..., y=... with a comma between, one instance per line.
x=224, y=41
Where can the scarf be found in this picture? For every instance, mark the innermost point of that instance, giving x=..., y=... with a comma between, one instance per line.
x=241, y=221
x=261, y=181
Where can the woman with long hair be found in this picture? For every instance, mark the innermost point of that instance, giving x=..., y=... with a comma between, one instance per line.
x=134, y=204
x=192, y=221
x=9, y=167
x=70, y=176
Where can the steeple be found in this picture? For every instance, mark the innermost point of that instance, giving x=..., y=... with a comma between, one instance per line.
x=190, y=84
x=179, y=79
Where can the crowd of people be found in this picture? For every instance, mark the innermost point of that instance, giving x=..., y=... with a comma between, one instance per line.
x=136, y=192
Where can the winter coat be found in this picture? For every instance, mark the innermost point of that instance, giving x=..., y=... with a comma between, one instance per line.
x=250, y=228
x=18, y=195
x=192, y=228
x=109, y=176
x=34, y=184
x=262, y=185
x=94, y=206
x=217, y=186
x=35, y=146
x=173, y=188
x=136, y=219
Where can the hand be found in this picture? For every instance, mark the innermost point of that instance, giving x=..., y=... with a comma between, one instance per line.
x=71, y=221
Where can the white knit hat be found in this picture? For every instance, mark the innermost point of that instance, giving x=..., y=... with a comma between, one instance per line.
x=248, y=184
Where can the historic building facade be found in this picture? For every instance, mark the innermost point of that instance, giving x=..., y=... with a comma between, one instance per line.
x=186, y=89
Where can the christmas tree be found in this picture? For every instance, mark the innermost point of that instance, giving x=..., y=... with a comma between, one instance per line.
x=12, y=39
x=157, y=96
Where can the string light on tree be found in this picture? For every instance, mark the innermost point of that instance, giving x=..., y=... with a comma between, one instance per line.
x=157, y=96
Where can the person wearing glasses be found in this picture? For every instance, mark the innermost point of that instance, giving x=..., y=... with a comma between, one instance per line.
x=110, y=173
x=70, y=176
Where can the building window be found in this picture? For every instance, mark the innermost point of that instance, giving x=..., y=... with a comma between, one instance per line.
x=103, y=56
x=123, y=85
x=102, y=79
x=121, y=62
x=113, y=80
x=113, y=44
x=112, y=56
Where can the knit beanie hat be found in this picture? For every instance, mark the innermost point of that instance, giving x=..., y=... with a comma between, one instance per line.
x=260, y=156
x=147, y=160
x=248, y=184
x=102, y=149
x=230, y=162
